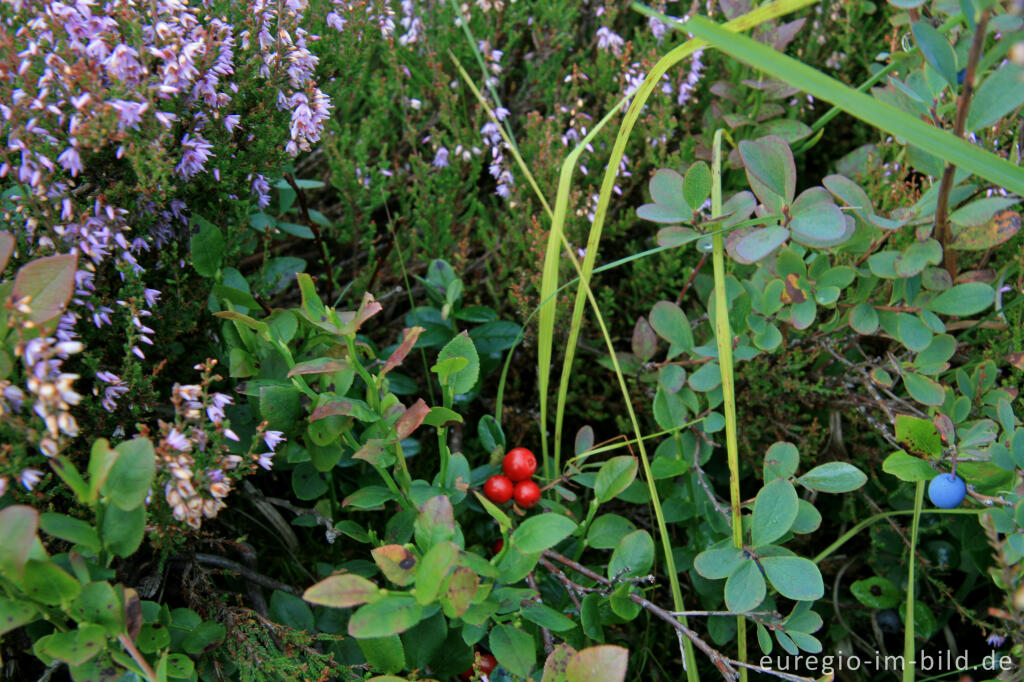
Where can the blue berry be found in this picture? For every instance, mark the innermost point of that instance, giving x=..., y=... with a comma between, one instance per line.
x=947, y=491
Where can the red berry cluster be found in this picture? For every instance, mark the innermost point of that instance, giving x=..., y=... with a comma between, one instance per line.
x=519, y=466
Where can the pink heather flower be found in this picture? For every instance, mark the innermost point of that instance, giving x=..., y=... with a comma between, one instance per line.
x=266, y=460
x=197, y=153
x=440, y=158
x=29, y=478
x=3, y=485
x=273, y=439
x=609, y=41
x=177, y=440
x=71, y=161
x=151, y=296
x=231, y=122
x=130, y=113
x=260, y=188
x=231, y=435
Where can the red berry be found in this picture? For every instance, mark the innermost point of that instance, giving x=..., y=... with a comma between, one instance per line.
x=519, y=464
x=527, y=494
x=498, y=545
x=487, y=663
x=498, y=489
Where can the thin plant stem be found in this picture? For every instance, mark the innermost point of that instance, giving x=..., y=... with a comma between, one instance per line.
x=723, y=334
x=908, y=633
x=848, y=535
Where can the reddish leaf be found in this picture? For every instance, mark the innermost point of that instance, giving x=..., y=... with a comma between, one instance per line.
x=462, y=587
x=1001, y=228
x=605, y=663
x=6, y=249
x=396, y=563
x=19, y=523
x=48, y=284
x=411, y=419
x=319, y=366
x=409, y=337
x=645, y=341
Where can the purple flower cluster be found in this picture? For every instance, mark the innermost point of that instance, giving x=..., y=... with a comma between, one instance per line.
x=194, y=463
x=148, y=83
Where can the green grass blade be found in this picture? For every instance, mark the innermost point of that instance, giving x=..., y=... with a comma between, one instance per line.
x=901, y=125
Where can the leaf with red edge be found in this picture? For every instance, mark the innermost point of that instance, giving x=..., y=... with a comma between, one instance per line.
x=48, y=284
x=645, y=341
x=409, y=337
x=411, y=419
x=353, y=320
x=342, y=591
x=19, y=523
x=604, y=663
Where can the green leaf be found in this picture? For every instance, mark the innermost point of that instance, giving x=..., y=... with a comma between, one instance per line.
x=757, y=244
x=101, y=459
x=204, y=638
x=435, y=522
x=390, y=615
x=74, y=647
x=794, y=577
x=808, y=518
x=45, y=285
x=915, y=257
x=385, y=654
x=541, y=532
x=669, y=205
x=924, y=390
x=706, y=378
x=605, y=663
x=781, y=461
x=461, y=590
x=433, y=568
x=464, y=380
x=912, y=332
x=715, y=564
x=47, y=583
x=291, y=611
x=819, y=225
x=936, y=50
x=697, y=184
x=614, y=476
x=547, y=617
x=207, y=247
x=369, y=497
x=14, y=613
x=876, y=593
x=864, y=319
x=907, y=468
x=131, y=475
x=608, y=529
x=833, y=477
x=775, y=509
x=72, y=529
x=934, y=359
x=919, y=435
x=633, y=556
x=963, y=299
x=123, y=530
x=997, y=96
x=19, y=523
x=98, y=603
x=745, y=589
x=671, y=324
x=514, y=649
x=280, y=406
x=495, y=336
x=770, y=170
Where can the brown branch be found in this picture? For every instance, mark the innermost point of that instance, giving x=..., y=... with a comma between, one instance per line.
x=693, y=274
x=943, y=232
x=248, y=574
